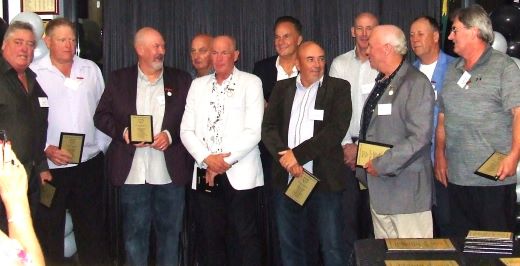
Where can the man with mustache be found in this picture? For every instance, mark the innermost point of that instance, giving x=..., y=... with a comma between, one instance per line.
x=151, y=177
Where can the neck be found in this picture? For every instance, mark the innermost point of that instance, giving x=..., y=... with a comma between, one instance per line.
x=287, y=62
x=392, y=66
x=64, y=67
x=361, y=54
x=473, y=55
x=307, y=83
x=222, y=76
x=151, y=73
x=202, y=72
x=429, y=58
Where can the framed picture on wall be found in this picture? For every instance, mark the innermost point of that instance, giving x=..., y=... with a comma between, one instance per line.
x=43, y=7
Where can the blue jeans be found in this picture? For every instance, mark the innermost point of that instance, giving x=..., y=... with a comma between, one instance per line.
x=144, y=205
x=322, y=216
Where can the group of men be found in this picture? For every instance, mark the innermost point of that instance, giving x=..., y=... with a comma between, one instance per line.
x=443, y=112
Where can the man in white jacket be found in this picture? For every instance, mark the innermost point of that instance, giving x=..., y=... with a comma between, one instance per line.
x=221, y=129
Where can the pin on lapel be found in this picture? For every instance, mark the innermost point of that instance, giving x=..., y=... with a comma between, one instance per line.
x=168, y=91
x=391, y=92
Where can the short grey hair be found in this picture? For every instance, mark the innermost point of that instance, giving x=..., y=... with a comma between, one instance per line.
x=476, y=16
x=17, y=25
x=397, y=40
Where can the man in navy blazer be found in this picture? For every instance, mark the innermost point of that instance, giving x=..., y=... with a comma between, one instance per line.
x=433, y=62
x=151, y=177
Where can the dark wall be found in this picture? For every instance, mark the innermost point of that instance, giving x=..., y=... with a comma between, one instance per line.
x=249, y=21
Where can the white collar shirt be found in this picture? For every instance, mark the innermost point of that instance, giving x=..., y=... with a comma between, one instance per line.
x=281, y=74
x=361, y=77
x=301, y=124
x=72, y=104
x=149, y=164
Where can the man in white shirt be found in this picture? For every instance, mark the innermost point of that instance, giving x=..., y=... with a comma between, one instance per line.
x=73, y=86
x=355, y=68
x=221, y=130
x=151, y=177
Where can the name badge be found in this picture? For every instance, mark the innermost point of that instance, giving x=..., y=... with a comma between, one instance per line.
x=316, y=115
x=463, y=81
x=44, y=102
x=384, y=109
x=72, y=83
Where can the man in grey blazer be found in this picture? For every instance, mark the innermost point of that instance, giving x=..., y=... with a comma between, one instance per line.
x=398, y=112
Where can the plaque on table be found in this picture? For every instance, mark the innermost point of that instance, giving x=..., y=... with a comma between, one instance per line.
x=300, y=188
x=368, y=150
x=47, y=194
x=141, y=129
x=421, y=263
x=73, y=144
x=419, y=244
x=490, y=235
x=510, y=261
x=489, y=168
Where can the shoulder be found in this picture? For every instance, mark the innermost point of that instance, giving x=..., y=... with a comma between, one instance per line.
x=246, y=77
x=344, y=58
x=175, y=72
x=124, y=72
x=266, y=62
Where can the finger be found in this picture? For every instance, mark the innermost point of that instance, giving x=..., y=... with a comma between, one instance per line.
x=282, y=152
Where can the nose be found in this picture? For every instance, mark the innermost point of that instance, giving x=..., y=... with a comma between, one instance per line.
x=451, y=36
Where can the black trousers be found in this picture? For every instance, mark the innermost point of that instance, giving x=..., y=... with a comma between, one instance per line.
x=79, y=189
x=227, y=231
x=482, y=208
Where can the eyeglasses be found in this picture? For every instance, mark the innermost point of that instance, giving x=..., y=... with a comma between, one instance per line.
x=455, y=29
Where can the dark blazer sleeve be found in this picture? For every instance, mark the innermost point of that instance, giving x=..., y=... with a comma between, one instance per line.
x=274, y=130
x=106, y=118
x=266, y=71
x=336, y=103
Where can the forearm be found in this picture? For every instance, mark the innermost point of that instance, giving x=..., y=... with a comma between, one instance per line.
x=515, y=145
x=21, y=226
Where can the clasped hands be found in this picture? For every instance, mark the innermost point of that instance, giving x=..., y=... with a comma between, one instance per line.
x=289, y=162
x=216, y=166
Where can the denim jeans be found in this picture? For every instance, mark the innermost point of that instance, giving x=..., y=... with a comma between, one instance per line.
x=322, y=216
x=143, y=206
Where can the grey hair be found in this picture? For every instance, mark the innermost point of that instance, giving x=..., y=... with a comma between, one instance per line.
x=398, y=41
x=476, y=16
x=17, y=25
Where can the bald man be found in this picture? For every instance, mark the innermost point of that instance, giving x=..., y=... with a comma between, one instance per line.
x=151, y=177
x=305, y=120
x=200, y=55
x=398, y=112
x=221, y=130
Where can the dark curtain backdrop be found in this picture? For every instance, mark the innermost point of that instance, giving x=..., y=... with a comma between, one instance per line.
x=250, y=21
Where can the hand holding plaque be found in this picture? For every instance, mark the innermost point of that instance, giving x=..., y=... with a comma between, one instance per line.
x=300, y=188
x=73, y=144
x=489, y=168
x=368, y=150
x=141, y=129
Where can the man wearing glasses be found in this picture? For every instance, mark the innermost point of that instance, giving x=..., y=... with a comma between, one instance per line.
x=479, y=115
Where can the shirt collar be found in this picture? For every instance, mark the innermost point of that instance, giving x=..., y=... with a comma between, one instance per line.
x=143, y=77
x=483, y=59
x=280, y=68
x=226, y=81
x=300, y=85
